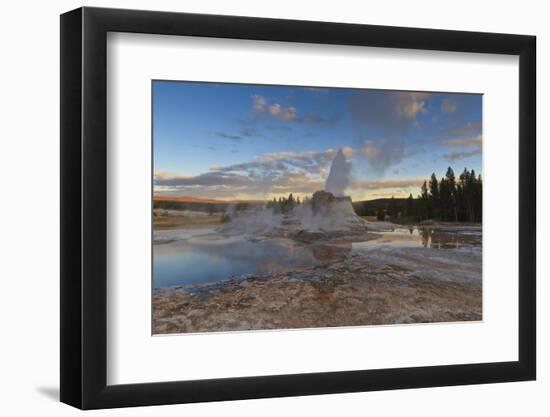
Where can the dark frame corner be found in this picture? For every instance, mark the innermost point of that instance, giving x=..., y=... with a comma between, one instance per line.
x=83, y=207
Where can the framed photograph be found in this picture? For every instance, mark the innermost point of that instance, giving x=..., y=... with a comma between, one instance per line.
x=258, y=208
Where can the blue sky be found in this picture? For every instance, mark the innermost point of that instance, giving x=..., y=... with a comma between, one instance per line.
x=244, y=141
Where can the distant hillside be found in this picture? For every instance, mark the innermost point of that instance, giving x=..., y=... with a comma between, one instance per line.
x=371, y=207
x=201, y=204
x=362, y=208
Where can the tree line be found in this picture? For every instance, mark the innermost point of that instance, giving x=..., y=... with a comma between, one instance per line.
x=449, y=199
x=283, y=204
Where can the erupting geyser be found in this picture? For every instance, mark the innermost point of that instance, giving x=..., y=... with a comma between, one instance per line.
x=329, y=211
x=339, y=175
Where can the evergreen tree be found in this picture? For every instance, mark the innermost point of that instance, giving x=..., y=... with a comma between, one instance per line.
x=409, y=208
x=451, y=189
x=424, y=201
x=391, y=208
x=466, y=206
x=478, y=199
x=434, y=197
x=453, y=200
x=444, y=199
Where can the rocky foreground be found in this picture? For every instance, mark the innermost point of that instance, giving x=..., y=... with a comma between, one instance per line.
x=385, y=285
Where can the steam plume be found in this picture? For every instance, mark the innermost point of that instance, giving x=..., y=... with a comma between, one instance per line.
x=339, y=176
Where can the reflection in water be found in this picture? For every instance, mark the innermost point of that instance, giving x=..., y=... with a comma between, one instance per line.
x=438, y=239
x=200, y=259
x=414, y=237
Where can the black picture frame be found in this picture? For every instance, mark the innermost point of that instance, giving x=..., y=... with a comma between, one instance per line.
x=84, y=207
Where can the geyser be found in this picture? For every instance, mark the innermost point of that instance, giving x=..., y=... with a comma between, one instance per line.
x=328, y=212
x=339, y=175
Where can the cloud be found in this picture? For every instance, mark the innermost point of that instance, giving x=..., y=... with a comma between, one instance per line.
x=272, y=174
x=225, y=135
x=462, y=138
x=391, y=114
x=216, y=178
x=384, y=188
x=300, y=182
x=369, y=150
x=448, y=105
x=391, y=111
x=465, y=138
x=311, y=162
x=248, y=132
x=386, y=184
x=258, y=103
x=475, y=141
x=165, y=175
x=286, y=113
x=409, y=109
x=469, y=146
x=277, y=156
x=261, y=107
x=223, y=184
x=387, y=117
x=245, y=132
x=383, y=153
x=462, y=129
x=455, y=156
x=380, y=156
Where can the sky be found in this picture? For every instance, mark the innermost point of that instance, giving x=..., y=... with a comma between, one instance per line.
x=255, y=142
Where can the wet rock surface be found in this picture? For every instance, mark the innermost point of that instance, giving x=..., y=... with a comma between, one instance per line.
x=385, y=285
